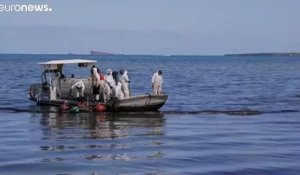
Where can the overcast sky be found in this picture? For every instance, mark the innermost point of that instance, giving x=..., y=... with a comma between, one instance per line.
x=153, y=27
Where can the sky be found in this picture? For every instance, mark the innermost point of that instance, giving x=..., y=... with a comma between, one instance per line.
x=167, y=27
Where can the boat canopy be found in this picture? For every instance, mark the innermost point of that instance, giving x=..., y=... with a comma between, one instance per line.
x=58, y=64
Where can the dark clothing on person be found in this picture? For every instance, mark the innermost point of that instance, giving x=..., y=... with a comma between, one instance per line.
x=96, y=90
x=115, y=76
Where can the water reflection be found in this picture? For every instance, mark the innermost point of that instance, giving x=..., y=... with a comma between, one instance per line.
x=72, y=138
x=101, y=125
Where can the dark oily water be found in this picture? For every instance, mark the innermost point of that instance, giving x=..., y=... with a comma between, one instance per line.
x=224, y=115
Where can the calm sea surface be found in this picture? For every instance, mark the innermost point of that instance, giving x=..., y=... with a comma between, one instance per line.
x=224, y=115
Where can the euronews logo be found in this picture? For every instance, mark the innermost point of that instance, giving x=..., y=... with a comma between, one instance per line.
x=25, y=8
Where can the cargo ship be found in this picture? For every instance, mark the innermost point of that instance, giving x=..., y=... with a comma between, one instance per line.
x=93, y=52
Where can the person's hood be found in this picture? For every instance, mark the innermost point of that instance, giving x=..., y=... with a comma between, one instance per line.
x=109, y=72
x=158, y=71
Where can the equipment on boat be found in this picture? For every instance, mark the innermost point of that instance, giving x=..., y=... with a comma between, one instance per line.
x=99, y=108
x=74, y=109
x=64, y=106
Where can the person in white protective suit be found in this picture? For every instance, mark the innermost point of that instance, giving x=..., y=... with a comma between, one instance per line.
x=125, y=83
x=56, y=82
x=157, y=82
x=96, y=83
x=109, y=85
x=79, y=86
x=102, y=82
x=117, y=89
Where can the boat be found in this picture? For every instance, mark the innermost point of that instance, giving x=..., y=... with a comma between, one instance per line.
x=93, y=52
x=55, y=91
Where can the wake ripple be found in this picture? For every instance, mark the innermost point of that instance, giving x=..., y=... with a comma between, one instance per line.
x=241, y=112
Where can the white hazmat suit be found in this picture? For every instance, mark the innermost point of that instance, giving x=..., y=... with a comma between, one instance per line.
x=56, y=83
x=118, y=91
x=110, y=83
x=96, y=84
x=125, y=84
x=79, y=85
x=157, y=82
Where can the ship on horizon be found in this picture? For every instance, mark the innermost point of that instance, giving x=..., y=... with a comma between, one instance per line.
x=93, y=52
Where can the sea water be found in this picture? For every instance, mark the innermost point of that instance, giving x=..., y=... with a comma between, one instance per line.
x=224, y=115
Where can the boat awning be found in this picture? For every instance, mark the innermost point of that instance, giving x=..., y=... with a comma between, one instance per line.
x=57, y=64
x=74, y=61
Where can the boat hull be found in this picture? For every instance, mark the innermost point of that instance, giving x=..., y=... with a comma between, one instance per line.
x=146, y=102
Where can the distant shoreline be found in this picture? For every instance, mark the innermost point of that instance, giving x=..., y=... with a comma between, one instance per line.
x=291, y=54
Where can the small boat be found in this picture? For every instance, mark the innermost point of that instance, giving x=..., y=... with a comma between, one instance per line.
x=56, y=91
